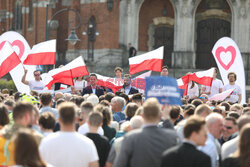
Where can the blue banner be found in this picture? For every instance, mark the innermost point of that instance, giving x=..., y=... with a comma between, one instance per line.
x=165, y=89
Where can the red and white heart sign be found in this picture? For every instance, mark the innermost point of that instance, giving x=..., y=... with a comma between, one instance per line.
x=225, y=57
x=17, y=45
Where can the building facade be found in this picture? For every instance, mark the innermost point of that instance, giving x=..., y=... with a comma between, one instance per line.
x=187, y=28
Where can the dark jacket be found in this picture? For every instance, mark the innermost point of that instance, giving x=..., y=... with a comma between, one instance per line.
x=88, y=90
x=185, y=155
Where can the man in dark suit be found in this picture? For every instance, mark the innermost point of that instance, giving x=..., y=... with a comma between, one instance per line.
x=127, y=88
x=93, y=88
x=144, y=147
x=186, y=154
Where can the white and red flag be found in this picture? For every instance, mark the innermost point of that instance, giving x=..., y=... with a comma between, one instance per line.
x=8, y=59
x=222, y=96
x=139, y=81
x=43, y=53
x=113, y=83
x=200, y=77
x=65, y=74
x=149, y=61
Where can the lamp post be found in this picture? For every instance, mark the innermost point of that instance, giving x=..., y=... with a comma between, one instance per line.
x=72, y=36
x=92, y=33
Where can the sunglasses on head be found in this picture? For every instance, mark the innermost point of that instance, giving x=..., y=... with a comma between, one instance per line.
x=202, y=97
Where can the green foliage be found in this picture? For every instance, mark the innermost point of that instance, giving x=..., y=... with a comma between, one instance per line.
x=4, y=84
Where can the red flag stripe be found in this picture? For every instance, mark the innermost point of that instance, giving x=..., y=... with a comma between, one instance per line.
x=44, y=58
x=9, y=63
x=153, y=65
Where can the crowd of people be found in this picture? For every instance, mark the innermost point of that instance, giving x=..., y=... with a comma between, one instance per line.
x=94, y=127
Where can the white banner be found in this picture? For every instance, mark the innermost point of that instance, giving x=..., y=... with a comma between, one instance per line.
x=228, y=59
x=22, y=49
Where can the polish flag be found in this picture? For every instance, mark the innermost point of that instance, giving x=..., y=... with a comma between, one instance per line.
x=222, y=96
x=148, y=61
x=113, y=83
x=8, y=59
x=63, y=86
x=139, y=81
x=201, y=77
x=65, y=74
x=43, y=53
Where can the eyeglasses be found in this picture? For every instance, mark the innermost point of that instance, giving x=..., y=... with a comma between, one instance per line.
x=228, y=127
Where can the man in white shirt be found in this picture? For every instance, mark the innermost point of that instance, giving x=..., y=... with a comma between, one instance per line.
x=236, y=96
x=36, y=84
x=214, y=123
x=215, y=88
x=67, y=147
x=86, y=109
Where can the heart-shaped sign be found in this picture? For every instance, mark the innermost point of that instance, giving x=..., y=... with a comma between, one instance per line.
x=226, y=56
x=17, y=44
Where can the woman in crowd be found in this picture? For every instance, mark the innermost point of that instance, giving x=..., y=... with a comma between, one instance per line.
x=242, y=157
x=78, y=85
x=26, y=150
x=193, y=90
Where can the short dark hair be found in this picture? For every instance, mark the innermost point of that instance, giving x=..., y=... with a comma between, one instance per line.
x=226, y=105
x=4, y=115
x=36, y=71
x=174, y=112
x=193, y=124
x=118, y=68
x=21, y=108
x=47, y=120
x=127, y=76
x=109, y=96
x=125, y=96
x=46, y=98
x=95, y=118
x=137, y=97
x=232, y=73
x=189, y=109
x=104, y=103
x=67, y=113
x=163, y=67
x=231, y=119
x=196, y=102
x=131, y=109
x=93, y=75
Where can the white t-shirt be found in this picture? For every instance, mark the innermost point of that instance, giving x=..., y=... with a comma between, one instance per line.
x=36, y=85
x=214, y=89
x=194, y=92
x=78, y=85
x=234, y=97
x=83, y=129
x=66, y=149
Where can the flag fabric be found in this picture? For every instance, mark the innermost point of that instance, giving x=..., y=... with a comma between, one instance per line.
x=113, y=83
x=43, y=53
x=63, y=86
x=65, y=74
x=139, y=82
x=222, y=96
x=201, y=77
x=8, y=59
x=148, y=61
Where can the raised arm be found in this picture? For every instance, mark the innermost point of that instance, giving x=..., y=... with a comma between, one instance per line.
x=23, y=78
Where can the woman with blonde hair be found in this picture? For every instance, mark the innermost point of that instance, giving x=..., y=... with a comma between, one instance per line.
x=241, y=158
